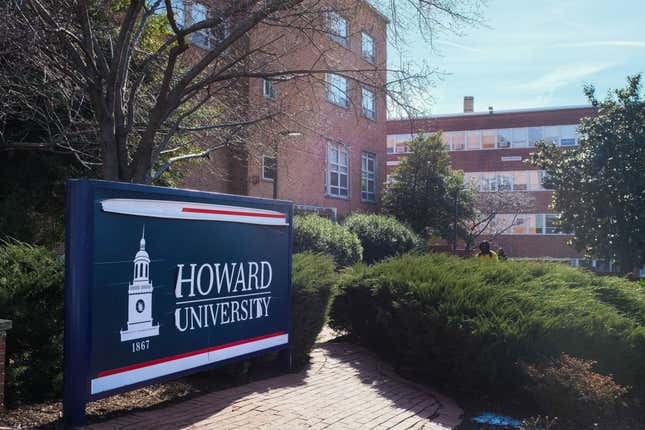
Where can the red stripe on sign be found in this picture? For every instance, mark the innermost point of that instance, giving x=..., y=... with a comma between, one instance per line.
x=187, y=354
x=222, y=212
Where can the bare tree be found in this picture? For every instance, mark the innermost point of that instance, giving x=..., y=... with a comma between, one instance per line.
x=496, y=213
x=140, y=81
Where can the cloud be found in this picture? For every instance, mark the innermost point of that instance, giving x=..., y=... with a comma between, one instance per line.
x=459, y=46
x=597, y=43
x=562, y=76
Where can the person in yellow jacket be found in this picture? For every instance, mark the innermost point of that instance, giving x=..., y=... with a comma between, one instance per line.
x=485, y=253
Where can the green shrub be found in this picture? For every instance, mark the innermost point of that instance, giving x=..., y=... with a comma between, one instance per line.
x=317, y=234
x=313, y=281
x=381, y=236
x=467, y=323
x=31, y=295
x=568, y=387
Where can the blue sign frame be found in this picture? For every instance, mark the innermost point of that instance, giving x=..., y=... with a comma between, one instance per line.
x=218, y=266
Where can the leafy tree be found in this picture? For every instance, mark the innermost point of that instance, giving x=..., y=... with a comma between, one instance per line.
x=599, y=186
x=426, y=193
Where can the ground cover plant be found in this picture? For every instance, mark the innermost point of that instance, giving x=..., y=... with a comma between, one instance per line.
x=381, y=236
x=317, y=234
x=469, y=324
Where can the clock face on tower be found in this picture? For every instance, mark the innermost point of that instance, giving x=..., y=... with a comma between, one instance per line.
x=141, y=305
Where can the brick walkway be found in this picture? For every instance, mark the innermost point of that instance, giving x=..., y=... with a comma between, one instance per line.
x=344, y=388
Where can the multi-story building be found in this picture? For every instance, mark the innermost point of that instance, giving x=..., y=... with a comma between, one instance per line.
x=325, y=147
x=491, y=148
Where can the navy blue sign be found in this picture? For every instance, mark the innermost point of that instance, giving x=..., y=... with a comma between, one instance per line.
x=164, y=282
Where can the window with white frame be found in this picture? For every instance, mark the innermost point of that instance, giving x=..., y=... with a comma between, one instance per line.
x=338, y=29
x=368, y=100
x=504, y=137
x=337, y=90
x=568, y=135
x=268, y=89
x=552, y=135
x=337, y=170
x=368, y=49
x=519, y=137
x=201, y=38
x=368, y=177
x=269, y=165
x=535, y=134
x=473, y=139
x=458, y=140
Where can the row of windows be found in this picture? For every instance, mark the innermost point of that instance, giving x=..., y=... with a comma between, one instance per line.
x=339, y=32
x=542, y=224
x=338, y=94
x=516, y=180
x=522, y=137
x=337, y=176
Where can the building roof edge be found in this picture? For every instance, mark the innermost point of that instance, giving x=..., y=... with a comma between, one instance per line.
x=495, y=112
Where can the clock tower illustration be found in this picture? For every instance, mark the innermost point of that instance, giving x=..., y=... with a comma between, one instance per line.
x=140, y=322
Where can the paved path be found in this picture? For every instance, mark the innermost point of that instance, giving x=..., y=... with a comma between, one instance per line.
x=344, y=388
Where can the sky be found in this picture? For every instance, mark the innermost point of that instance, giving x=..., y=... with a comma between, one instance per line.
x=536, y=53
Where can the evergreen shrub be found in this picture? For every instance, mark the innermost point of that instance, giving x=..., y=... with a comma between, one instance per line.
x=317, y=234
x=381, y=236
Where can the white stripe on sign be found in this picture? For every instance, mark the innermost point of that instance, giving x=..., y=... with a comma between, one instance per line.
x=140, y=374
x=193, y=211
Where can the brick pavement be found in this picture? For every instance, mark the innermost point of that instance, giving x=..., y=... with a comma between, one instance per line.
x=345, y=387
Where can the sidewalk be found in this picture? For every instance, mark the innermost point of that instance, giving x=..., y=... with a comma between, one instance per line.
x=345, y=387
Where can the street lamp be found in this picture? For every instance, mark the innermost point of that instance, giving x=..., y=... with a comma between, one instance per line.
x=283, y=133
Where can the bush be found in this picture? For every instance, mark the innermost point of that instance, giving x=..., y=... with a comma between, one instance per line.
x=317, y=234
x=31, y=295
x=467, y=323
x=381, y=236
x=568, y=386
x=313, y=281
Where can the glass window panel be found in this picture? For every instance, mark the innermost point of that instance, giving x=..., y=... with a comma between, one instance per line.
x=488, y=139
x=534, y=180
x=201, y=37
x=473, y=139
x=489, y=182
x=268, y=167
x=367, y=47
x=519, y=137
x=535, y=134
x=338, y=170
x=568, y=135
x=338, y=28
x=552, y=134
x=178, y=10
x=337, y=90
x=520, y=181
x=504, y=138
x=520, y=225
x=505, y=182
x=458, y=140
x=368, y=103
x=539, y=224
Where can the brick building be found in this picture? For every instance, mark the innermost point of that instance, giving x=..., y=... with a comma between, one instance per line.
x=491, y=148
x=325, y=150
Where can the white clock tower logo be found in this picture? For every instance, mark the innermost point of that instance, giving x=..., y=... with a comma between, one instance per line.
x=140, y=299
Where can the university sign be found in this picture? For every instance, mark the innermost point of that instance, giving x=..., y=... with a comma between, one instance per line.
x=161, y=282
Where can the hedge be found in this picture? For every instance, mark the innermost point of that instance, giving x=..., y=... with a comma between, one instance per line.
x=381, y=236
x=31, y=295
x=313, y=281
x=468, y=324
x=317, y=234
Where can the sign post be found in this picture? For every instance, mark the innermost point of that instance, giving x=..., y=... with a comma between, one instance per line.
x=160, y=283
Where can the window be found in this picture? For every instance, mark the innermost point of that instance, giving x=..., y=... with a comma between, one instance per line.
x=488, y=139
x=367, y=47
x=337, y=171
x=520, y=225
x=504, y=137
x=368, y=177
x=201, y=38
x=269, y=167
x=505, y=182
x=535, y=135
x=520, y=181
x=458, y=140
x=489, y=182
x=368, y=103
x=268, y=89
x=178, y=10
x=519, y=137
x=473, y=139
x=542, y=176
x=551, y=224
x=445, y=138
x=337, y=90
x=568, y=135
x=552, y=135
x=337, y=28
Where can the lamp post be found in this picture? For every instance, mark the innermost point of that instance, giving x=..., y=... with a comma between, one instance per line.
x=284, y=133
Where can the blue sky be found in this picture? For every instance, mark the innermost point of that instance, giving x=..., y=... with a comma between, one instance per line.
x=536, y=53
